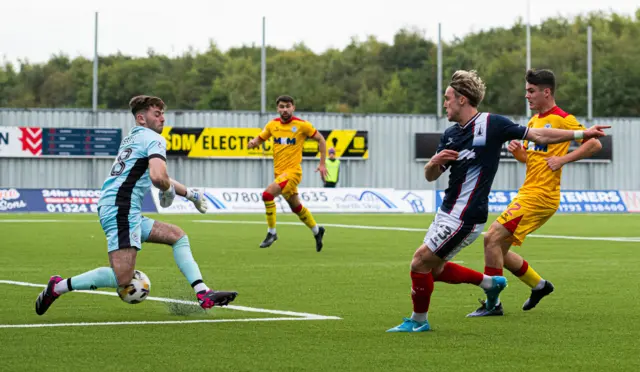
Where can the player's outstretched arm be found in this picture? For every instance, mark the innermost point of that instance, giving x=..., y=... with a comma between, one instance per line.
x=194, y=195
x=322, y=147
x=519, y=153
x=544, y=136
x=180, y=188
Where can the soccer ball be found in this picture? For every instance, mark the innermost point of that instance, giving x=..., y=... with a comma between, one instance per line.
x=136, y=291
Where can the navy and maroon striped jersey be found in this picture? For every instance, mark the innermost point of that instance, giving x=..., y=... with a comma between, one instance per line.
x=478, y=144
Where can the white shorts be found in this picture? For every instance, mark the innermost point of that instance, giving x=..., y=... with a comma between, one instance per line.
x=447, y=235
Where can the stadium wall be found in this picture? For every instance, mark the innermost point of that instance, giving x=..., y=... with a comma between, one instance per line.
x=391, y=146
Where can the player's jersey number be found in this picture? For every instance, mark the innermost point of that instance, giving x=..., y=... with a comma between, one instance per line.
x=119, y=165
x=514, y=207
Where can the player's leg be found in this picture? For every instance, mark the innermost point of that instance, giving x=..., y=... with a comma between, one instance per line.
x=122, y=231
x=536, y=217
x=427, y=268
x=519, y=219
x=422, y=265
x=540, y=287
x=164, y=233
x=292, y=198
x=446, y=242
x=496, y=240
x=501, y=231
x=497, y=309
x=443, y=241
x=449, y=237
x=268, y=197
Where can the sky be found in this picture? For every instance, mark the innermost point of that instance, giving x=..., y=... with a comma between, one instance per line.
x=36, y=29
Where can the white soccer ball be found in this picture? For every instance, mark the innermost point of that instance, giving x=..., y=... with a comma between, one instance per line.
x=136, y=291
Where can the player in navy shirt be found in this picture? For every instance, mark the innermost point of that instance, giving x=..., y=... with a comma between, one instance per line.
x=478, y=143
x=141, y=162
x=470, y=150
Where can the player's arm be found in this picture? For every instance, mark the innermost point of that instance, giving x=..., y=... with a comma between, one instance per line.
x=322, y=147
x=255, y=142
x=518, y=151
x=260, y=139
x=432, y=171
x=194, y=195
x=156, y=151
x=160, y=179
x=158, y=173
x=438, y=163
x=509, y=130
x=545, y=136
x=180, y=188
x=585, y=150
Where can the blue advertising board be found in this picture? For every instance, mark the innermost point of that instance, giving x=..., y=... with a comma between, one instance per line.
x=15, y=200
x=571, y=201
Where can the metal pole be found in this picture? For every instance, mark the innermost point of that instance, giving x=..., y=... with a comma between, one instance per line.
x=528, y=49
x=95, y=65
x=589, y=73
x=439, y=93
x=263, y=71
x=264, y=174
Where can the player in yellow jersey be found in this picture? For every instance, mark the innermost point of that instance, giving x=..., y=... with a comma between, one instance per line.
x=289, y=134
x=539, y=196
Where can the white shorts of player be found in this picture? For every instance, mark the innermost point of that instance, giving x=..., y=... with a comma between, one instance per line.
x=448, y=235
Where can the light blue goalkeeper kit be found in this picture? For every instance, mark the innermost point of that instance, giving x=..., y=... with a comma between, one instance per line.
x=120, y=213
x=120, y=204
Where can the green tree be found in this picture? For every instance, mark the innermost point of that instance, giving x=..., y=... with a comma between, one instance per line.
x=366, y=76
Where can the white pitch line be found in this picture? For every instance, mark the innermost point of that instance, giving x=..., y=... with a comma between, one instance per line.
x=394, y=228
x=185, y=302
x=361, y=227
x=161, y=322
x=365, y=227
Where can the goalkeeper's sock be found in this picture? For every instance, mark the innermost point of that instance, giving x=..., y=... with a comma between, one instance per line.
x=102, y=277
x=529, y=276
x=307, y=218
x=270, y=206
x=187, y=265
x=199, y=286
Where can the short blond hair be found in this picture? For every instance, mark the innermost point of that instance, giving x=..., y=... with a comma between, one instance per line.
x=468, y=84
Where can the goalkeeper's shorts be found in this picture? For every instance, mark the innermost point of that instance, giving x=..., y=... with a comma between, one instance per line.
x=123, y=227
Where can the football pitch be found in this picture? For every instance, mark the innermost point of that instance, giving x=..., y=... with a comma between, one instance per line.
x=298, y=310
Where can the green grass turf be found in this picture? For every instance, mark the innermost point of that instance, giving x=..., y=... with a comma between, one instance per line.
x=589, y=323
